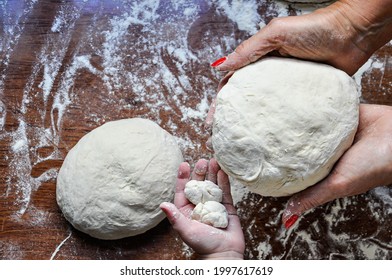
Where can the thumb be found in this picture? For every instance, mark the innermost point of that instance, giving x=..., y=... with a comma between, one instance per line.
x=179, y=222
x=248, y=51
x=308, y=199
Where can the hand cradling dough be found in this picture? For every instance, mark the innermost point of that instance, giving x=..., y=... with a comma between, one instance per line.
x=112, y=182
x=207, y=197
x=281, y=124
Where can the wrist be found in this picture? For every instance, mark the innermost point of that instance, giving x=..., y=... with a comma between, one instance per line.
x=370, y=21
x=227, y=255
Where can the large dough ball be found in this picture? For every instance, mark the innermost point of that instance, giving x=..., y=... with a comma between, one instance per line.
x=112, y=182
x=281, y=124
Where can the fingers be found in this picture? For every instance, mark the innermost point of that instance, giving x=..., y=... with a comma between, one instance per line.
x=183, y=176
x=224, y=184
x=213, y=168
x=200, y=171
x=204, y=169
x=227, y=199
x=234, y=224
x=224, y=81
x=209, y=144
x=210, y=116
x=179, y=222
x=249, y=51
x=308, y=199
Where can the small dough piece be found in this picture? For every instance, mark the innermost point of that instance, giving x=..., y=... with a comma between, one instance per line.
x=202, y=191
x=211, y=213
x=281, y=124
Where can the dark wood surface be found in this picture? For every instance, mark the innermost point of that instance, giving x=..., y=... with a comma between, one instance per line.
x=67, y=67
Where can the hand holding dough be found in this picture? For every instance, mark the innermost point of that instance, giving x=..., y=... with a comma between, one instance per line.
x=281, y=124
x=207, y=197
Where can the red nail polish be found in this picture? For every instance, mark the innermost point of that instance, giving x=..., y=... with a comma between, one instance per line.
x=219, y=61
x=291, y=221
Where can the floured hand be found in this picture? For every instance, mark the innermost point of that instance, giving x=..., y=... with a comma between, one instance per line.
x=207, y=241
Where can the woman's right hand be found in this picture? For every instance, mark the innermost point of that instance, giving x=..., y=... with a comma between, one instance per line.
x=344, y=35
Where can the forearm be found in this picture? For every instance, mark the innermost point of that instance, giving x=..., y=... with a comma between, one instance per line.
x=371, y=20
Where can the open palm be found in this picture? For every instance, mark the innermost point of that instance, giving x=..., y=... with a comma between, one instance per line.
x=207, y=241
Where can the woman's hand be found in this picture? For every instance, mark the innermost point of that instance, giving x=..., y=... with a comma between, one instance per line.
x=366, y=165
x=208, y=242
x=344, y=35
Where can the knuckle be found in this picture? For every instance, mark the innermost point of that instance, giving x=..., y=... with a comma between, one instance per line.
x=246, y=53
x=275, y=22
x=338, y=184
x=308, y=204
x=277, y=28
x=242, y=51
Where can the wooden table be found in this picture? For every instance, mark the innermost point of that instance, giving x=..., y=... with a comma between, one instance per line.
x=67, y=67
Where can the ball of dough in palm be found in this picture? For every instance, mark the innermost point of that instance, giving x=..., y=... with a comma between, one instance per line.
x=202, y=191
x=211, y=213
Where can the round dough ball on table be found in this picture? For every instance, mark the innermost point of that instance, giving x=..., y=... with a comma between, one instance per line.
x=113, y=180
x=281, y=124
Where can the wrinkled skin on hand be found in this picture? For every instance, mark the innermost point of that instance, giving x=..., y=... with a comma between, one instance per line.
x=344, y=35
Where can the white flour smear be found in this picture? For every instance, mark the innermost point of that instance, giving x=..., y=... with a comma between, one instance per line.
x=13, y=25
x=163, y=75
x=21, y=182
x=59, y=246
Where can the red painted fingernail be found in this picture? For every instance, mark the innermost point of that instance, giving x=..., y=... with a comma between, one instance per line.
x=219, y=61
x=291, y=221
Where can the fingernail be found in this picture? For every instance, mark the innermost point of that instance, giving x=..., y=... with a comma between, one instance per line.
x=291, y=221
x=219, y=61
x=209, y=145
x=201, y=170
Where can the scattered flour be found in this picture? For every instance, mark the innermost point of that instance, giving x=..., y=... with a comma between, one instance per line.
x=243, y=13
x=159, y=63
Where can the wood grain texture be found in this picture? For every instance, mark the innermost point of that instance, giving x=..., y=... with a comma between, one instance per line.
x=67, y=67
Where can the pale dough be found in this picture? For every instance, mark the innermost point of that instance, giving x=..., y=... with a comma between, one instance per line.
x=211, y=213
x=281, y=124
x=202, y=191
x=112, y=182
x=207, y=196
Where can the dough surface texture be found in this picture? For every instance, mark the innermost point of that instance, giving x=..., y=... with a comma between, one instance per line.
x=281, y=124
x=202, y=191
x=113, y=180
x=211, y=213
